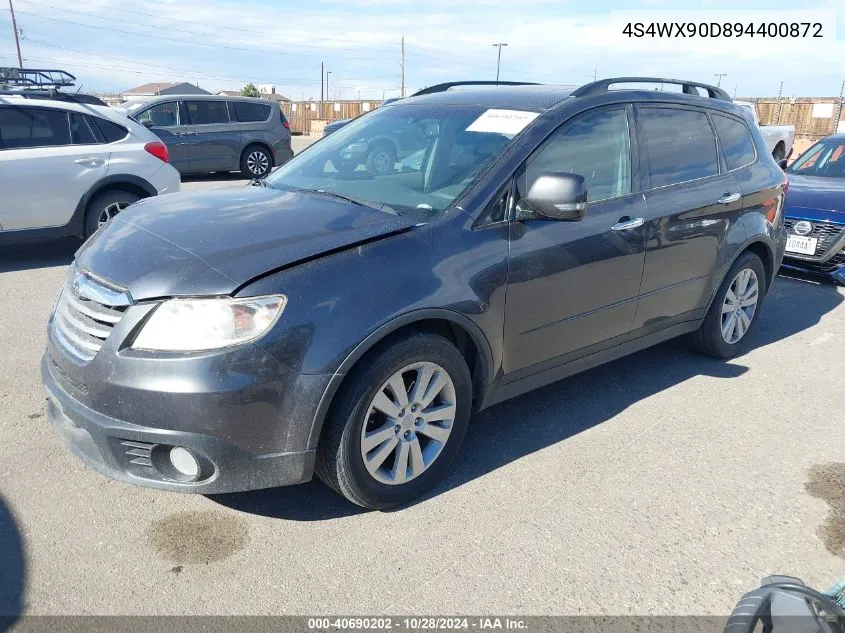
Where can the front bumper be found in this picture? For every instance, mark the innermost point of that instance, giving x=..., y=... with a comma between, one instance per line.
x=236, y=450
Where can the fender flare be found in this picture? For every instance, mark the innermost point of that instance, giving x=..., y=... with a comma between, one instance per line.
x=77, y=221
x=385, y=330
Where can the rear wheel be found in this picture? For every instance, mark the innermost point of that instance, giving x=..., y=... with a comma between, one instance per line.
x=381, y=160
x=104, y=207
x=735, y=310
x=256, y=162
x=398, y=423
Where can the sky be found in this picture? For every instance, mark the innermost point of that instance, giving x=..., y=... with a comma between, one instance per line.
x=113, y=45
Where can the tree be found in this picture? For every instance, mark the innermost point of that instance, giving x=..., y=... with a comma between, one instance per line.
x=250, y=90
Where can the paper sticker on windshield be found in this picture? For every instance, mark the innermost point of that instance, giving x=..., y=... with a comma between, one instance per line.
x=510, y=122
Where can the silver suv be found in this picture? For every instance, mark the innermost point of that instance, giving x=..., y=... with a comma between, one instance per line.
x=66, y=168
x=210, y=133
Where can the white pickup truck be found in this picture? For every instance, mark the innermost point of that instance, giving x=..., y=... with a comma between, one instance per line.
x=778, y=138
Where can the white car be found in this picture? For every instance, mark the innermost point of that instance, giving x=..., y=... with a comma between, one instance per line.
x=779, y=138
x=66, y=168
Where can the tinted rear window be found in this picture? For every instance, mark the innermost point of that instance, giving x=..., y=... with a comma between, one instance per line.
x=81, y=132
x=111, y=132
x=33, y=127
x=678, y=144
x=205, y=112
x=246, y=112
x=736, y=141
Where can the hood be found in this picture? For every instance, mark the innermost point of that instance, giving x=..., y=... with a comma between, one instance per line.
x=816, y=198
x=213, y=242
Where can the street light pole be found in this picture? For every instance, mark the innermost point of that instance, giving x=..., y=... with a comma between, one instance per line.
x=498, y=58
x=718, y=77
x=15, y=29
x=328, y=94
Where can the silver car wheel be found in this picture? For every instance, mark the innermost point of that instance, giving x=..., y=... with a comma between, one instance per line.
x=408, y=423
x=257, y=163
x=740, y=305
x=110, y=211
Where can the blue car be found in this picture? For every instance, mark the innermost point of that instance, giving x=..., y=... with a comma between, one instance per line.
x=815, y=210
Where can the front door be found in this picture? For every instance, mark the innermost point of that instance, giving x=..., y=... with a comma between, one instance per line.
x=167, y=121
x=572, y=285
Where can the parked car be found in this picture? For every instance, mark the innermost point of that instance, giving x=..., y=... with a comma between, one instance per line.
x=350, y=323
x=212, y=133
x=66, y=168
x=815, y=210
x=334, y=126
x=778, y=138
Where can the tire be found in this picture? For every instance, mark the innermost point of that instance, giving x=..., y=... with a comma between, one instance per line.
x=340, y=460
x=381, y=160
x=710, y=338
x=256, y=161
x=779, y=152
x=345, y=167
x=104, y=207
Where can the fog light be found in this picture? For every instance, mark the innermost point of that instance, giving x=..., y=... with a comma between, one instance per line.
x=184, y=462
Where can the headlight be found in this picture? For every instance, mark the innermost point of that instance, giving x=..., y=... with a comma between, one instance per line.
x=182, y=325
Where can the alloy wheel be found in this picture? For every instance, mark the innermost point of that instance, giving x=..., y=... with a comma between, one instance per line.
x=408, y=423
x=740, y=305
x=257, y=163
x=110, y=211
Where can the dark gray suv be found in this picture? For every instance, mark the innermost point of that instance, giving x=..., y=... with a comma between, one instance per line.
x=349, y=323
x=210, y=133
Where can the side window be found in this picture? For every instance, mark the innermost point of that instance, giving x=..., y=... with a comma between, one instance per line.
x=110, y=132
x=247, y=112
x=596, y=145
x=736, y=140
x=678, y=145
x=161, y=114
x=33, y=127
x=80, y=132
x=205, y=112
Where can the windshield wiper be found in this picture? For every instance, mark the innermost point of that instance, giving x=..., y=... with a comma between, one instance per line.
x=361, y=203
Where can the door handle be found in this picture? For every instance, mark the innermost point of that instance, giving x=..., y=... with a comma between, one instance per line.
x=626, y=224
x=729, y=197
x=90, y=161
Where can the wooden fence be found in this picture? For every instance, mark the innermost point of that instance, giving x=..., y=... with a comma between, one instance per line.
x=813, y=118
x=309, y=117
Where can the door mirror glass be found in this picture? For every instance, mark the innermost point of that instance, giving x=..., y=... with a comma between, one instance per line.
x=782, y=163
x=555, y=196
x=148, y=124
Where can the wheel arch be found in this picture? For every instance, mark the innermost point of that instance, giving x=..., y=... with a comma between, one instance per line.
x=759, y=247
x=463, y=332
x=116, y=182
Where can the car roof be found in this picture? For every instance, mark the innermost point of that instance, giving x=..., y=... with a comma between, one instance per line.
x=526, y=97
x=56, y=104
x=153, y=98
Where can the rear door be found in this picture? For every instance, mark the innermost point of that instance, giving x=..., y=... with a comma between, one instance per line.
x=215, y=145
x=692, y=203
x=48, y=160
x=573, y=285
x=167, y=120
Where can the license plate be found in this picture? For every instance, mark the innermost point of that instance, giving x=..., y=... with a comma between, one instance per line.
x=803, y=245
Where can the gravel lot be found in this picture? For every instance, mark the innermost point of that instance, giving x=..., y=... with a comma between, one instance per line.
x=662, y=483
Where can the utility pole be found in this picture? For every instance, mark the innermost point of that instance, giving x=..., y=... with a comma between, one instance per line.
x=499, y=58
x=777, y=116
x=402, y=64
x=718, y=77
x=15, y=29
x=328, y=94
x=839, y=109
x=595, y=72
x=321, y=82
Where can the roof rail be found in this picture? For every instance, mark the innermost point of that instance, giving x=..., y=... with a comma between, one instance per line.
x=452, y=84
x=36, y=78
x=690, y=87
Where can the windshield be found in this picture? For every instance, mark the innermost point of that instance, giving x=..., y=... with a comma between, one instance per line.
x=826, y=159
x=412, y=159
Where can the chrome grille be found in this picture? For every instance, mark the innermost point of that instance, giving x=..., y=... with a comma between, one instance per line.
x=85, y=314
x=827, y=234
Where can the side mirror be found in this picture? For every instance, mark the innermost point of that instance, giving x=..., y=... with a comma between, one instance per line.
x=148, y=124
x=782, y=164
x=555, y=196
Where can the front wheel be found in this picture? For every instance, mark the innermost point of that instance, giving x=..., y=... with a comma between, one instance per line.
x=381, y=160
x=399, y=422
x=735, y=309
